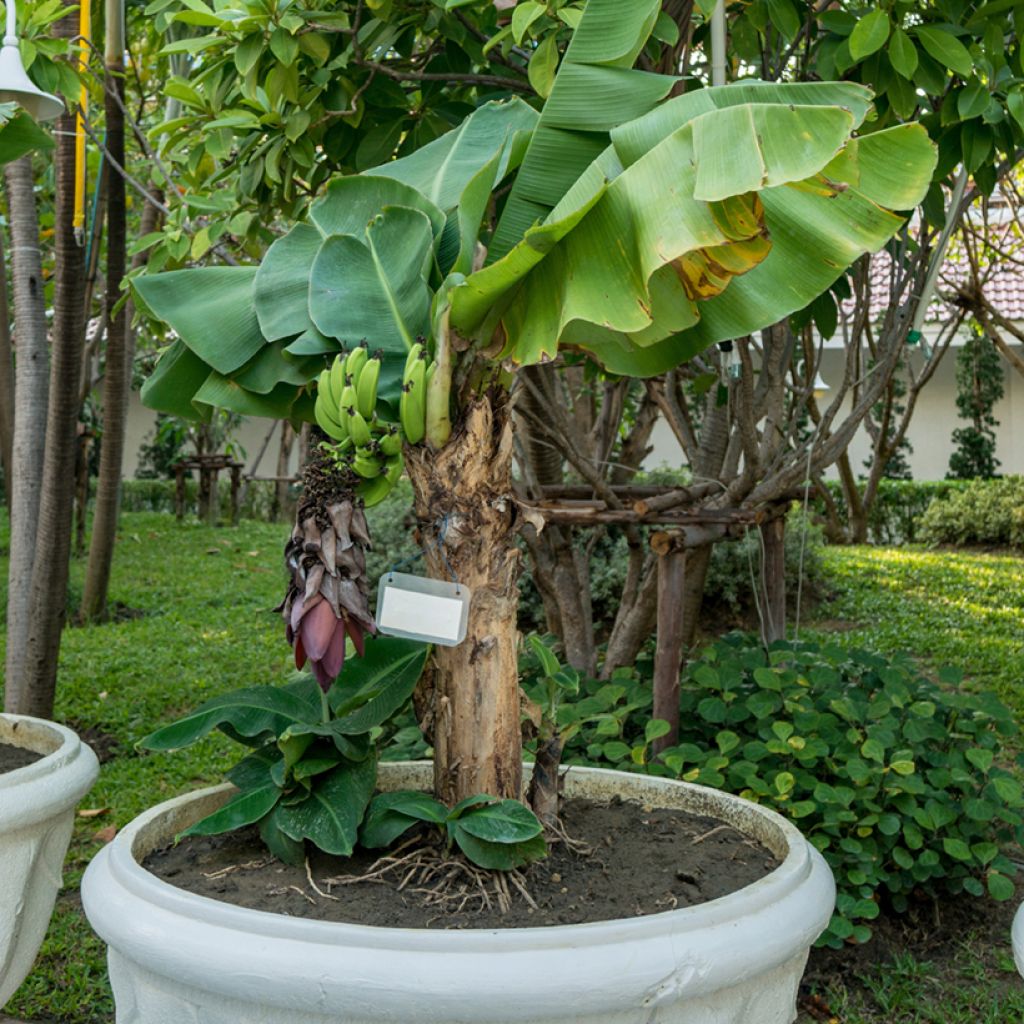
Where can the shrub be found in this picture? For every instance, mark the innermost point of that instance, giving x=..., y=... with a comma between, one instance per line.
x=896, y=514
x=981, y=512
x=896, y=779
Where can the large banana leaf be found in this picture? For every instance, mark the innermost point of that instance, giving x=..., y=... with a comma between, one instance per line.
x=738, y=217
x=596, y=89
x=251, y=338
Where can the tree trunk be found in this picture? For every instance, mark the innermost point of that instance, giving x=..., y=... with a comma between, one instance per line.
x=773, y=535
x=29, y=438
x=463, y=495
x=6, y=380
x=281, y=508
x=48, y=601
x=117, y=374
x=668, y=657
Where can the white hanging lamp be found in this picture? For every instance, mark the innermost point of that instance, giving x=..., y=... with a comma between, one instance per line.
x=15, y=85
x=820, y=386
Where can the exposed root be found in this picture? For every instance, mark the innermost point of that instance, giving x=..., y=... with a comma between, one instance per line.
x=249, y=865
x=440, y=879
x=554, y=832
x=315, y=887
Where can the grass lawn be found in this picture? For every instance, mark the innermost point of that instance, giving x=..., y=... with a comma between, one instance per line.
x=195, y=619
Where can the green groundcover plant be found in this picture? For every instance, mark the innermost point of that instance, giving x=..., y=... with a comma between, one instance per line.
x=901, y=782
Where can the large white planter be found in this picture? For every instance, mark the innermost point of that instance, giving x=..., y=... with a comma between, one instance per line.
x=1018, y=939
x=176, y=958
x=37, y=814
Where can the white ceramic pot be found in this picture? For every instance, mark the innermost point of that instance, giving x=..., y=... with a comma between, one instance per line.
x=1018, y=938
x=175, y=957
x=37, y=814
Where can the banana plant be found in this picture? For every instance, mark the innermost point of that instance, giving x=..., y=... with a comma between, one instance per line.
x=631, y=227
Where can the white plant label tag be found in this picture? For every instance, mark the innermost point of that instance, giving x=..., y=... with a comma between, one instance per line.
x=418, y=608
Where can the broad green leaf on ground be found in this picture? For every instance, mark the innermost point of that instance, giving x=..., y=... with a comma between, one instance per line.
x=506, y=821
x=497, y=856
x=391, y=814
x=254, y=712
x=595, y=89
x=329, y=817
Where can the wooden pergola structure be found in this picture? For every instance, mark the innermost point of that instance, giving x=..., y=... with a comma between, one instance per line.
x=681, y=524
x=209, y=467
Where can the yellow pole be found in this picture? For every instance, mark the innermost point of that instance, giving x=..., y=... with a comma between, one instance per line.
x=85, y=32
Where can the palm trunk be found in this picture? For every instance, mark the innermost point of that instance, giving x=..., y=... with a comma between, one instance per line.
x=29, y=436
x=6, y=380
x=48, y=598
x=463, y=493
x=116, y=379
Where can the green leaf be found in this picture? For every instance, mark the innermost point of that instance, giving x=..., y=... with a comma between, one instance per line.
x=284, y=46
x=957, y=849
x=548, y=662
x=281, y=286
x=1008, y=790
x=242, y=809
x=980, y=758
x=655, y=729
x=946, y=49
x=869, y=34
x=543, y=65
x=873, y=750
x=329, y=817
x=972, y=99
x=605, y=45
x=21, y=135
x=170, y=388
x=523, y=16
x=376, y=685
x=254, y=712
x=1000, y=887
x=902, y=53
x=498, y=856
x=351, y=202
x=211, y=309
x=392, y=814
x=505, y=821
x=282, y=846
x=375, y=286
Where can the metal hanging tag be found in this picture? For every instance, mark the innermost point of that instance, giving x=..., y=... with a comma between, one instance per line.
x=418, y=608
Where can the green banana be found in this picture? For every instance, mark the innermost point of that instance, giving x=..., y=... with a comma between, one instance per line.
x=366, y=464
x=328, y=424
x=373, y=492
x=366, y=387
x=337, y=378
x=391, y=443
x=411, y=407
x=411, y=359
x=393, y=469
x=355, y=362
x=357, y=426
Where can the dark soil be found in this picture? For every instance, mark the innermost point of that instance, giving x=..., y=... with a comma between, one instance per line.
x=638, y=861
x=12, y=757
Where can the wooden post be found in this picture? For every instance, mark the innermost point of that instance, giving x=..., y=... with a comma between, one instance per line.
x=773, y=535
x=668, y=657
x=236, y=478
x=179, y=491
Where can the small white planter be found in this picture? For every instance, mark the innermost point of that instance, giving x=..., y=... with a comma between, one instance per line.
x=37, y=814
x=176, y=958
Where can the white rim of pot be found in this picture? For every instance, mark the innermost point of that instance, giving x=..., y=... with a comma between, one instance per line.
x=38, y=794
x=767, y=923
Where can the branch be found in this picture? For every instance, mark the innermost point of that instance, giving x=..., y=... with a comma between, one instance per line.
x=451, y=77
